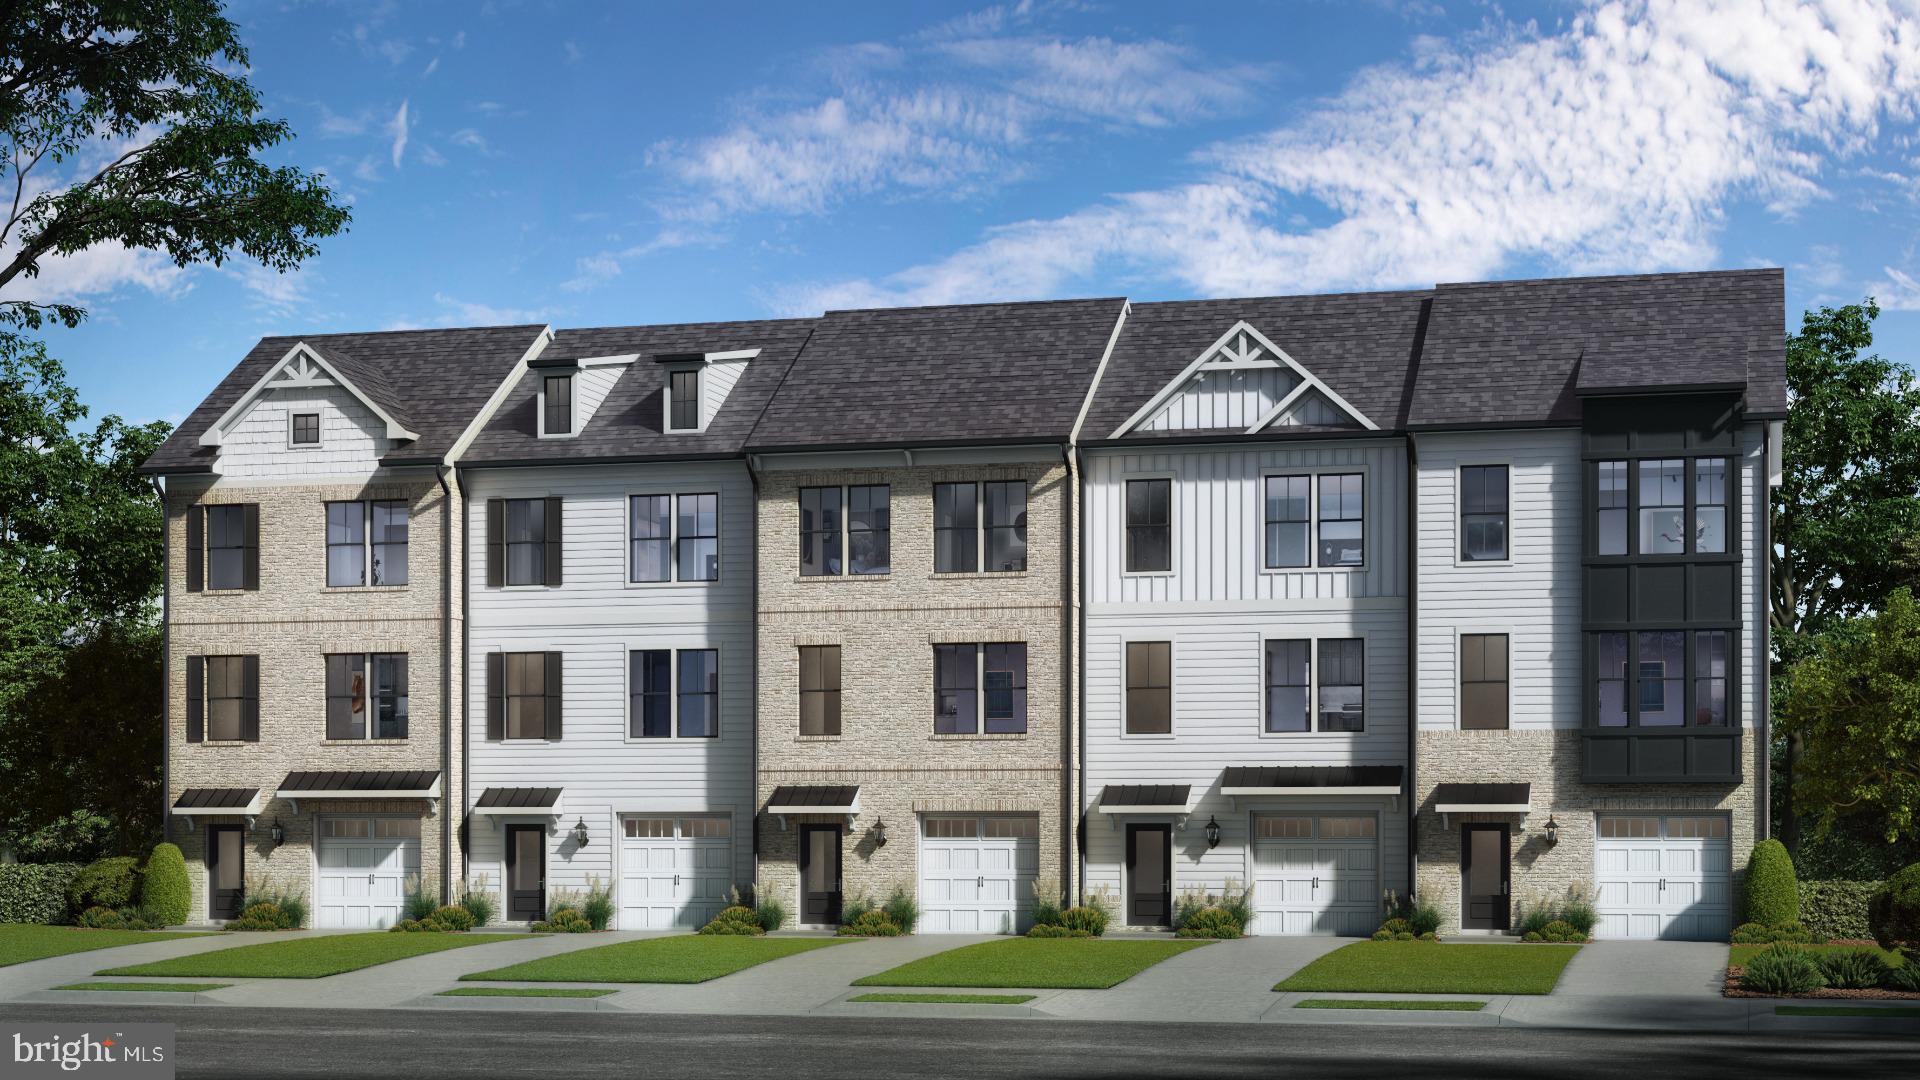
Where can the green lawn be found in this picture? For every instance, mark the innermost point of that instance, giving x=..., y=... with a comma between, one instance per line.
x=308, y=957
x=1417, y=967
x=947, y=999
x=1841, y=1010
x=21, y=942
x=153, y=988
x=691, y=958
x=1397, y=1006
x=1741, y=955
x=1038, y=963
x=525, y=991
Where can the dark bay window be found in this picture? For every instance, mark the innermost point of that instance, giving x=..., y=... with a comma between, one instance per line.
x=1483, y=682
x=1149, y=703
x=1712, y=668
x=1149, y=526
x=698, y=545
x=305, y=429
x=1342, y=519
x=820, y=690
x=366, y=542
x=524, y=695
x=973, y=683
x=1662, y=678
x=673, y=694
x=1288, y=514
x=1289, y=675
x=1610, y=508
x=1663, y=506
x=1710, y=505
x=683, y=394
x=353, y=698
x=970, y=520
x=862, y=546
x=1483, y=513
x=1662, y=663
x=1680, y=506
x=557, y=401
x=1342, y=664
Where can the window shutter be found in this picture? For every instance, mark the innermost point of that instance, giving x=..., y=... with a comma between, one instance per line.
x=250, y=705
x=553, y=541
x=250, y=555
x=496, y=544
x=196, y=547
x=553, y=693
x=196, y=698
x=496, y=695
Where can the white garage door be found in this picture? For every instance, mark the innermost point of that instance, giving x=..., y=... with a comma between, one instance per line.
x=364, y=866
x=1663, y=876
x=1316, y=874
x=976, y=873
x=674, y=871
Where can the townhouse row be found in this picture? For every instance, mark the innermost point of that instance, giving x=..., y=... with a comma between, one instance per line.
x=1456, y=592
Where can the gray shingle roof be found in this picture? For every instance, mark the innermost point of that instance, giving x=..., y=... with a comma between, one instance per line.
x=627, y=425
x=930, y=375
x=438, y=379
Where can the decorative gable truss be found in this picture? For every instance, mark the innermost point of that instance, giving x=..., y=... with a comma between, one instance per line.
x=1245, y=382
x=305, y=367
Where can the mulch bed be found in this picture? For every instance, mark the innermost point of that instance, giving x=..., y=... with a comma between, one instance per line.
x=1733, y=991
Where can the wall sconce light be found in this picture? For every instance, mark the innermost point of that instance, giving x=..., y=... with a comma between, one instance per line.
x=1553, y=831
x=279, y=834
x=879, y=834
x=1213, y=832
x=580, y=833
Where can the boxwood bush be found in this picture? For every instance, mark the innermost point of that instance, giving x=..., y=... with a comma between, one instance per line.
x=113, y=882
x=35, y=892
x=165, y=892
x=1837, y=909
x=1773, y=896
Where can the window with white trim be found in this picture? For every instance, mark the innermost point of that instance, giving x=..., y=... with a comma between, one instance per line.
x=673, y=694
x=1483, y=513
x=665, y=546
x=1342, y=684
x=1342, y=519
x=362, y=707
x=1328, y=673
x=858, y=541
x=367, y=543
x=1149, y=536
x=556, y=404
x=976, y=683
x=683, y=399
x=1149, y=700
x=303, y=429
x=980, y=527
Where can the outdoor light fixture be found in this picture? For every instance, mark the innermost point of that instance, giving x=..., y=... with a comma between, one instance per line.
x=580, y=833
x=1553, y=831
x=1213, y=832
x=279, y=834
x=879, y=834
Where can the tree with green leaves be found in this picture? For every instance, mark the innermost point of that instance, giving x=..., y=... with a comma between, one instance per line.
x=1853, y=704
x=132, y=122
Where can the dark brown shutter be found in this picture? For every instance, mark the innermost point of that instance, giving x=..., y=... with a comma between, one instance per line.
x=496, y=695
x=553, y=695
x=250, y=554
x=553, y=541
x=196, y=698
x=250, y=704
x=496, y=544
x=196, y=547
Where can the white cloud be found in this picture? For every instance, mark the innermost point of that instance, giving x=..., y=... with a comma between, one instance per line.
x=335, y=126
x=432, y=157
x=1145, y=83
x=1898, y=291
x=595, y=270
x=469, y=138
x=397, y=129
x=1615, y=144
x=275, y=292
x=97, y=273
x=433, y=65
x=456, y=312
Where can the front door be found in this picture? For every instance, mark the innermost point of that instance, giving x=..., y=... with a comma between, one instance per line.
x=820, y=901
x=1149, y=875
x=1485, y=874
x=226, y=871
x=526, y=873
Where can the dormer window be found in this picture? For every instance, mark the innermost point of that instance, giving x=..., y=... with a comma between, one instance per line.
x=305, y=430
x=556, y=405
x=683, y=400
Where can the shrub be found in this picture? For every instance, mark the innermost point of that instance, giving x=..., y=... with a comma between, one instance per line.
x=1532, y=935
x=419, y=903
x=479, y=905
x=37, y=892
x=291, y=907
x=563, y=919
x=1561, y=930
x=1783, y=969
x=1905, y=978
x=770, y=913
x=597, y=905
x=1054, y=930
x=872, y=923
x=902, y=909
x=1089, y=918
x=100, y=918
x=1211, y=922
x=1424, y=919
x=1430, y=936
x=735, y=921
x=112, y=883
x=164, y=890
x=1750, y=934
x=851, y=910
x=1397, y=925
x=1098, y=899
x=1837, y=909
x=1046, y=903
x=454, y=916
x=1404, y=935
x=1894, y=913
x=1773, y=897
x=1383, y=935
x=1534, y=917
x=1854, y=969
x=1238, y=903
x=1578, y=911
x=261, y=916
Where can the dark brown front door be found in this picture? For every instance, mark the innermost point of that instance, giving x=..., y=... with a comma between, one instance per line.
x=820, y=900
x=526, y=873
x=1149, y=875
x=1485, y=874
x=226, y=871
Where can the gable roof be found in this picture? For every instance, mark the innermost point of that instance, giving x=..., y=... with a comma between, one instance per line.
x=926, y=376
x=310, y=365
x=628, y=424
x=439, y=380
x=1242, y=348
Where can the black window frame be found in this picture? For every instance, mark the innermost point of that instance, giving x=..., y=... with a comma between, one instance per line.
x=1143, y=689
x=823, y=531
x=1627, y=503
x=303, y=423
x=1304, y=647
x=968, y=526
x=1322, y=545
x=1688, y=678
x=1013, y=530
x=1145, y=522
x=683, y=399
x=550, y=409
x=681, y=537
x=536, y=511
x=1487, y=513
x=516, y=664
x=383, y=711
x=663, y=521
x=861, y=534
x=233, y=670
x=1270, y=525
x=1334, y=673
x=658, y=679
x=376, y=556
x=826, y=691
x=1475, y=670
x=233, y=528
x=956, y=689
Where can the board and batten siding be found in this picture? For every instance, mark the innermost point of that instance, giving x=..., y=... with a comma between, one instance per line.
x=1218, y=524
x=351, y=437
x=595, y=618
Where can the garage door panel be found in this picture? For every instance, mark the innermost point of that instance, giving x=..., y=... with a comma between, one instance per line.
x=674, y=872
x=976, y=873
x=1663, y=877
x=363, y=864
x=1303, y=887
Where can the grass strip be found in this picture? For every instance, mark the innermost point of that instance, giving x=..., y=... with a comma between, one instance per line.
x=308, y=957
x=21, y=942
x=147, y=987
x=1036, y=963
x=1429, y=967
x=688, y=958
x=525, y=991
x=948, y=999
x=1395, y=1006
x=1843, y=1010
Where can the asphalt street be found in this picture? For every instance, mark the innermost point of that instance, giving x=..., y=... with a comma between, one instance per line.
x=260, y=1044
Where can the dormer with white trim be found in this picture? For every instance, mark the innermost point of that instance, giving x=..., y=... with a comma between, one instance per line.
x=697, y=384
x=1244, y=382
x=315, y=410
x=569, y=392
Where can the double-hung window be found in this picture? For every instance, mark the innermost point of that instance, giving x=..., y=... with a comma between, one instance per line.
x=1662, y=678
x=845, y=530
x=557, y=403
x=1288, y=515
x=673, y=693
x=1297, y=679
x=1342, y=697
x=1483, y=682
x=980, y=527
x=366, y=543
x=226, y=547
x=526, y=541
x=1149, y=699
x=819, y=689
x=228, y=692
x=664, y=544
x=1677, y=506
x=1149, y=536
x=1289, y=685
x=1483, y=513
x=1342, y=519
x=367, y=696
x=980, y=684
x=683, y=396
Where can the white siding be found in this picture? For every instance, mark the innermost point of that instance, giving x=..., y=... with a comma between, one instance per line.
x=595, y=618
x=719, y=378
x=1235, y=398
x=351, y=437
x=590, y=388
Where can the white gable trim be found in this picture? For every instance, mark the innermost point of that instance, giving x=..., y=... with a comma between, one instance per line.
x=1086, y=403
x=304, y=369
x=1218, y=356
x=512, y=379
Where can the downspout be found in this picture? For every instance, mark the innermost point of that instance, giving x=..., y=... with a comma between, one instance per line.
x=1413, y=658
x=1071, y=856
x=753, y=680
x=166, y=660
x=446, y=686
x=466, y=651
x=1763, y=722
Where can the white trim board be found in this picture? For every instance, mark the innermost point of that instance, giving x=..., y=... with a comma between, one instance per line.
x=1243, y=360
x=305, y=375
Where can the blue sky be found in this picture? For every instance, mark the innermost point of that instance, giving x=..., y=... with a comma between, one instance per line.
x=611, y=164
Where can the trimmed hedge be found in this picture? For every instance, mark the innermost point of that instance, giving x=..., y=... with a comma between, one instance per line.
x=166, y=894
x=1837, y=909
x=1773, y=896
x=35, y=892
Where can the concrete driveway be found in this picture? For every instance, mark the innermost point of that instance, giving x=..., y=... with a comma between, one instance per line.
x=1645, y=969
